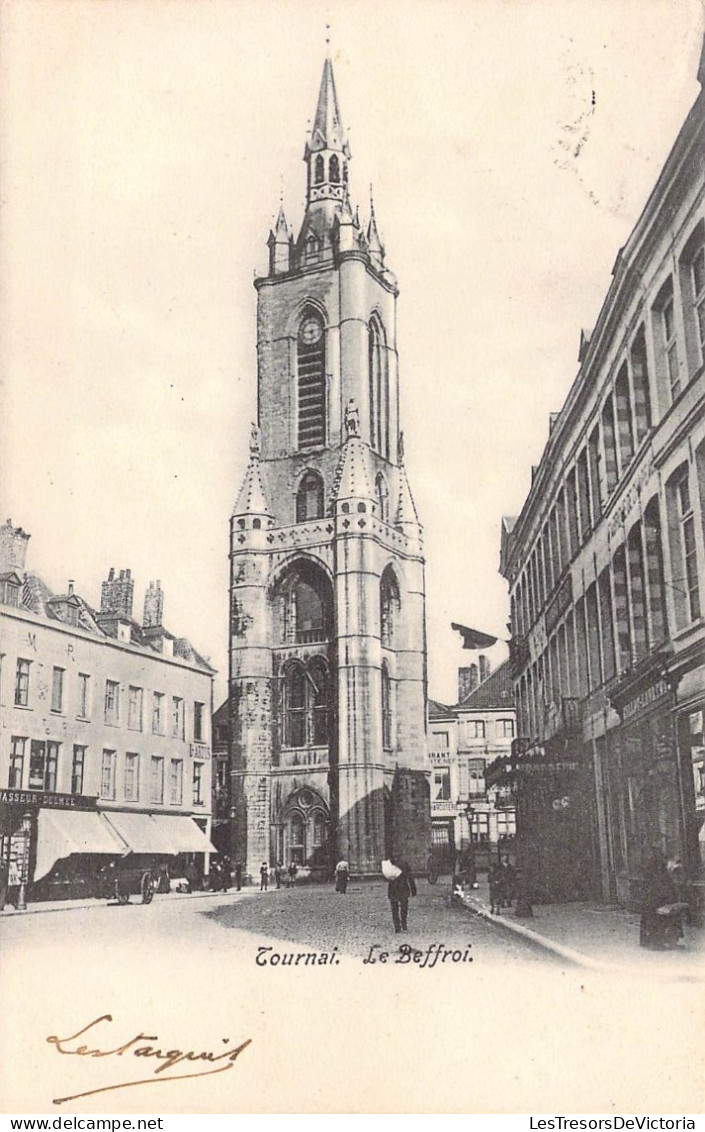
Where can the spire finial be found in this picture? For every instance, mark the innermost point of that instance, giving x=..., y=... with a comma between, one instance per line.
x=281, y=188
x=328, y=38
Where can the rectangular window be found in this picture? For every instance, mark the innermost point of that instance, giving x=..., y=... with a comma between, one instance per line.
x=158, y=713
x=640, y=382
x=198, y=722
x=134, y=709
x=78, y=766
x=689, y=551
x=440, y=740
x=475, y=729
x=670, y=346
x=112, y=702
x=17, y=746
x=198, y=799
x=571, y=490
x=107, y=775
x=177, y=717
x=593, y=634
x=43, y=764
x=697, y=271
x=176, y=782
x=441, y=784
x=606, y=622
x=505, y=728
x=57, y=690
x=22, y=683
x=84, y=693
x=584, y=494
x=156, y=780
x=132, y=777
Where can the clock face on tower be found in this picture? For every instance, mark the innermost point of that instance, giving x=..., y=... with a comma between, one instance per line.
x=311, y=331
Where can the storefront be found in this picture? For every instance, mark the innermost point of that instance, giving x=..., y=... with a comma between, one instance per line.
x=53, y=846
x=554, y=818
x=38, y=831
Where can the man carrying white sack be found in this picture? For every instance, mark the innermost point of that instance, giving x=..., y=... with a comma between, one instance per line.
x=401, y=886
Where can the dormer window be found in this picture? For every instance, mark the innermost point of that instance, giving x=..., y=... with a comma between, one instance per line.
x=334, y=170
x=10, y=586
x=320, y=172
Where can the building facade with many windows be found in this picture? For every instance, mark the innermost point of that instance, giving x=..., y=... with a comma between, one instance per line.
x=100, y=718
x=467, y=809
x=605, y=566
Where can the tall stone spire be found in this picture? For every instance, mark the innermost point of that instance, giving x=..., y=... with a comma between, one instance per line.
x=327, y=152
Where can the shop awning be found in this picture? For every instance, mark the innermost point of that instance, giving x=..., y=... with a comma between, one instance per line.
x=139, y=831
x=63, y=832
x=183, y=834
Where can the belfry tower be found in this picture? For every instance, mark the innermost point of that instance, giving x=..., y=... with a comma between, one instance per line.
x=327, y=623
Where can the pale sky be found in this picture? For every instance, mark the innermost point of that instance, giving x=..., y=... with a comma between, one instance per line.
x=143, y=148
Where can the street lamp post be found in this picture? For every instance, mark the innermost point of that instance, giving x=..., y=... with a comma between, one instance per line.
x=25, y=833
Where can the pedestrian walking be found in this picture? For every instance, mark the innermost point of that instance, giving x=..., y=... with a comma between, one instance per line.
x=225, y=872
x=293, y=870
x=509, y=882
x=399, y=890
x=342, y=872
x=495, y=877
x=264, y=877
x=238, y=875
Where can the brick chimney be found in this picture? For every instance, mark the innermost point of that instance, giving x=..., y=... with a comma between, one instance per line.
x=116, y=594
x=153, y=605
x=13, y=548
x=467, y=681
x=484, y=668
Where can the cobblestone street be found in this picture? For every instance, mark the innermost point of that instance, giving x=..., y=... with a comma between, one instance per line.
x=320, y=918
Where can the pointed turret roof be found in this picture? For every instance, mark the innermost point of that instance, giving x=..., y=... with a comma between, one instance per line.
x=353, y=479
x=327, y=131
x=252, y=499
x=406, y=508
x=281, y=229
x=374, y=241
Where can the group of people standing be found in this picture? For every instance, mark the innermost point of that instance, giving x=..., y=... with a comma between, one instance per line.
x=277, y=873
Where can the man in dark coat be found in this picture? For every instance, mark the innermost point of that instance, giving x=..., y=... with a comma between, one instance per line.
x=238, y=875
x=658, y=930
x=399, y=891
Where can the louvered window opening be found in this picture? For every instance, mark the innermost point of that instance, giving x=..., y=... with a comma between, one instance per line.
x=312, y=395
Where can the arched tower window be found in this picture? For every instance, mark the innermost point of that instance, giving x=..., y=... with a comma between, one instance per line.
x=382, y=497
x=306, y=704
x=309, y=498
x=295, y=706
x=320, y=172
x=302, y=606
x=334, y=170
x=378, y=388
x=390, y=605
x=311, y=381
x=386, y=709
x=297, y=839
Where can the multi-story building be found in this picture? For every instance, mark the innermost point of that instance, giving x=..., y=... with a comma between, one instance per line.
x=221, y=835
x=463, y=741
x=327, y=642
x=104, y=730
x=605, y=566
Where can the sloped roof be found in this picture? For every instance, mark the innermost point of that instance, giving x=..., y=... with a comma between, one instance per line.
x=495, y=693
x=437, y=710
x=38, y=598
